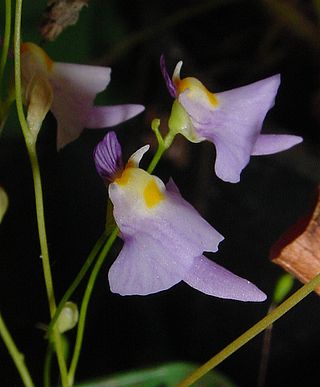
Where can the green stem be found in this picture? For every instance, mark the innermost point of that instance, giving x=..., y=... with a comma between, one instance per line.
x=30, y=144
x=6, y=41
x=16, y=356
x=85, y=303
x=157, y=156
x=252, y=332
x=47, y=366
x=97, y=247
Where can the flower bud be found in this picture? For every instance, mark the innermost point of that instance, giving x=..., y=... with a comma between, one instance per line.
x=68, y=317
x=39, y=98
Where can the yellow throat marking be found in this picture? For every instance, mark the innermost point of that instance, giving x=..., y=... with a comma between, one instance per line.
x=152, y=195
x=124, y=178
x=193, y=84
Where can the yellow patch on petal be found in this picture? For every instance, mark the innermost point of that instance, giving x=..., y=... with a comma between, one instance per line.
x=152, y=195
x=193, y=84
x=39, y=53
x=124, y=178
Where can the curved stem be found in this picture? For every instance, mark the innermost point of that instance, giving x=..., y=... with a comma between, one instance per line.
x=85, y=303
x=16, y=356
x=252, y=332
x=47, y=366
x=157, y=156
x=100, y=242
x=6, y=41
x=30, y=144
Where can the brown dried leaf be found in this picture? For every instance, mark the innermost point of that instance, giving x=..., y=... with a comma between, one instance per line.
x=298, y=250
x=59, y=15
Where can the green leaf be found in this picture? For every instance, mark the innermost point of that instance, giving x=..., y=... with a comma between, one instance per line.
x=166, y=375
x=282, y=288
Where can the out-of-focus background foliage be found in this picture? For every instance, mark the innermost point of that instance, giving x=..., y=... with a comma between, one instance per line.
x=225, y=44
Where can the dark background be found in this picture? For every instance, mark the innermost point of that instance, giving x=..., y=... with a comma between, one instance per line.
x=225, y=44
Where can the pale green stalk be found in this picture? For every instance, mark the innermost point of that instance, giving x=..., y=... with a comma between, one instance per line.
x=16, y=356
x=30, y=143
x=76, y=282
x=6, y=41
x=85, y=303
x=252, y=332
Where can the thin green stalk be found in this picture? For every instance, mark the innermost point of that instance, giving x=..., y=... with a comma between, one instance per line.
x=30, y=144
x=85, y=303
x=47, y=366
x=16, y=356
x=6, y=41
x=157, y=156
x=252, y=332
x=76, y=282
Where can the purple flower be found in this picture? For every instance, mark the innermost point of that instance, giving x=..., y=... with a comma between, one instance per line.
x=164, y=236
x=231, y=120
x=74, y=88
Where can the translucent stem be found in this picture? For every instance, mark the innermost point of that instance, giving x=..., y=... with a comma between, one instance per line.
x=29, y=139
x=16, y=356
x=252, y=332
x=6, y=41
x=93, y=254
x=85, y=303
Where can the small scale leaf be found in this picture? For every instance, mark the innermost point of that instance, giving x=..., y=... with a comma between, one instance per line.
x=4, y=202
x=282, y=288
x=68, y=317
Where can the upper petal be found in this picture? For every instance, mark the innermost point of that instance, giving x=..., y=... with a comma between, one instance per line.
x=108, y=157
x=166, y=76
x=214, y=280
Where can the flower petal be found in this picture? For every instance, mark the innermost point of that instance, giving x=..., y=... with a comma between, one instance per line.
x=142, y=267
x=173, y=221
x=74, y=89
x=214, y=280
x=106, y=116
x=234, y=125
x=166, y=76
x=267, y=144
x=108, y=157
x=136, y=157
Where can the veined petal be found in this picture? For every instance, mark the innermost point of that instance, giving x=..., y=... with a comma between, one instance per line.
x=234, y=124
x=108, y=157
x=106, y=116
x=267, y=144
x=214, y=280
x=166, y=76
x=144, y=266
